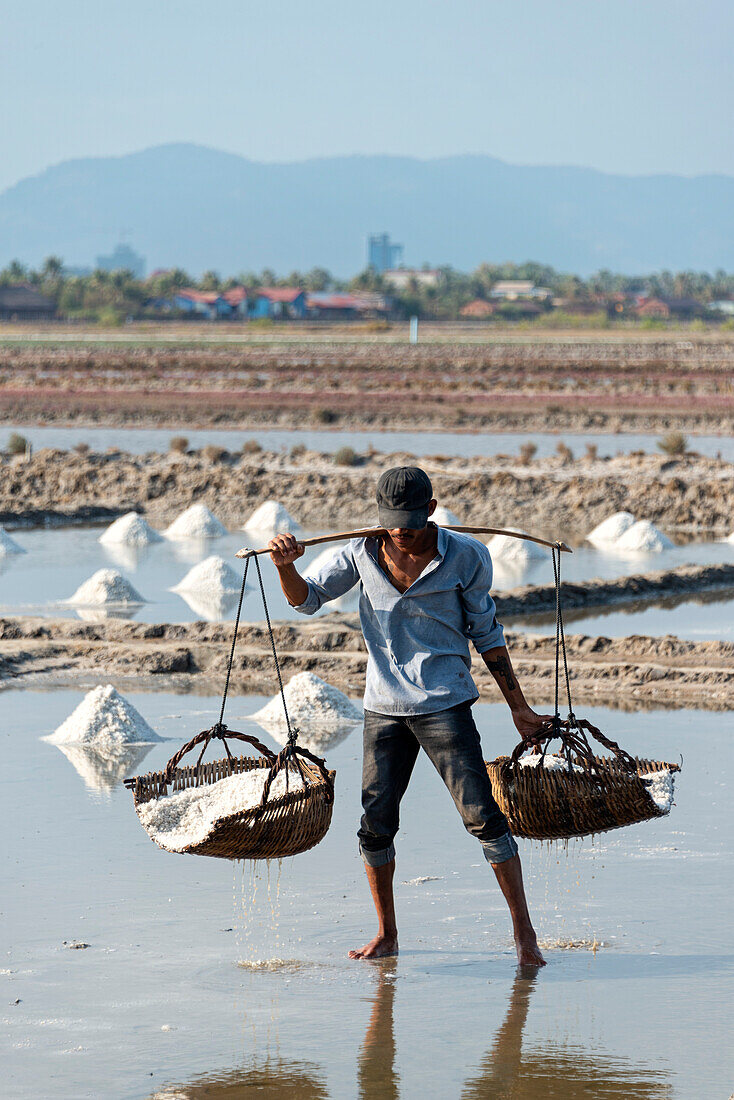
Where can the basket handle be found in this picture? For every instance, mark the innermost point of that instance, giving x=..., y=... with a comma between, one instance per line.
x=290, y=752
x=574, y=741
x=206, y=736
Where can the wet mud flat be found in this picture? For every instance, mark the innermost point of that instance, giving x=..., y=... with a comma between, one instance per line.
x=625, y=672
x=200, y=978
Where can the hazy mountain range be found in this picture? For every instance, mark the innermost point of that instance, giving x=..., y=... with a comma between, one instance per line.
x=199, y=208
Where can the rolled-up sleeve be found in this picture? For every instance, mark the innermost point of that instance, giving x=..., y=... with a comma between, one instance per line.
x=481, y=626
x=331, y=580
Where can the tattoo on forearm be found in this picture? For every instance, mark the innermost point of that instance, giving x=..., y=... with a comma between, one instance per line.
x=502, y=668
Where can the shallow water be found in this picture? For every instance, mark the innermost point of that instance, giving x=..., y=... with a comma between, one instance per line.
x=158, y=1004
x=59, y=560
x=465, y=444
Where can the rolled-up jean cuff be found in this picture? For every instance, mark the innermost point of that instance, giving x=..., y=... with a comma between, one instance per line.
x=377, y=859
x=501, y=849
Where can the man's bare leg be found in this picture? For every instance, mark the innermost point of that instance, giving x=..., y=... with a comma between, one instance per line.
x=386, y=940
x=509, y=876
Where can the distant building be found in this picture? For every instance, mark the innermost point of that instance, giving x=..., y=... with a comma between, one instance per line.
x=655, y=308
x=208, y=304
x=515, y=290
x=723, y=306
x=403, y=277
x=279, y=303
x=382, y=254
x=23, y=303
x=123, y=259
x=238, y=298
x=477, y=310
x=323, y=306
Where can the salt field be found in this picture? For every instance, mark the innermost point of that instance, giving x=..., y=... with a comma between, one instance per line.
x=59, y=561
x=463, y=444
x=162, y=976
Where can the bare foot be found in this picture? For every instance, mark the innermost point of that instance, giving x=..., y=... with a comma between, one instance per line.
x=378, y=948
x=528, y=952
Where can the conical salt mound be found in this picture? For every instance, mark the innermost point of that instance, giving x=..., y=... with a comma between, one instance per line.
x=444, y=518
x=730, y=538
x=106, y=586
x=197, y=522
x=213, y=576
x=507, y=550
x=104, y=717
x=271, y=516
x=643, y=537
x=611, y=529
x=312, y=705
x=130, y=530
x=8, y=545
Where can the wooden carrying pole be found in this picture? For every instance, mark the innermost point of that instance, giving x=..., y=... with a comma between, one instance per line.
x=368, y=532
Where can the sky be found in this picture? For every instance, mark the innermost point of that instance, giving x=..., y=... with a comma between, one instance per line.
x=630, y=86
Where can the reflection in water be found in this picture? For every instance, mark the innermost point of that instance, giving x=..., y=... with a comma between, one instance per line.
x=191, y=551
x=273, y=1078
x=127, y=557
x=551, y=1070
x=102, y=614
x=211, y=607
x=545, y=1070
x=104, y=769
x=318, y=737
x=376, y=1076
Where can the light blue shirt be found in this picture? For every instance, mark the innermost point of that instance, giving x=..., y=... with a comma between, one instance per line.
x=417, y=641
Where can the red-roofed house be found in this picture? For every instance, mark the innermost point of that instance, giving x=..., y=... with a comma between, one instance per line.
x=238, y=299
x=279, y=302
x=202, y=303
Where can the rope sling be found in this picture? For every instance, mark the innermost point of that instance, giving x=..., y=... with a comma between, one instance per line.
x=279, y=826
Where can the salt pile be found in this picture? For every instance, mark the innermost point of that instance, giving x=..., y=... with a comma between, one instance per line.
x=8, y=545
x=197, y=522
x=211, y=577
x=643, y=537
x=611, y=529
x=104, y=718
x=130, y=530
x=106, y=586
x=188, y=817
x=660, y=788
x=510, y=551
x=730, y=538
x=271, y=516
x=552, y=763
x=322, y=713
x=444, y=518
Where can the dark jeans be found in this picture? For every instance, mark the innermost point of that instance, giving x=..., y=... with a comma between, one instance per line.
x=450, y=739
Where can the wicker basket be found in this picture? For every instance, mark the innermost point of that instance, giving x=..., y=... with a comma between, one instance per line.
x=283, y=826
x=543, y=804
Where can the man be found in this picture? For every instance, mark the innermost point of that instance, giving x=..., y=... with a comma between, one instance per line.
x=424, y=594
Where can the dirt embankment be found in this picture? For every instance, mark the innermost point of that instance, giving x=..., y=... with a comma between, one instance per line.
x=625, y=673
x=552, y=497
x=572, y=385
x=667, y=586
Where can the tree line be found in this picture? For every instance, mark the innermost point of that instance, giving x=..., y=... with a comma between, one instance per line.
x=114, y=296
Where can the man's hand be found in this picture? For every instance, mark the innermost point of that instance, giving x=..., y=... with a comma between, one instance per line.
x=529, y=724
x=285, y=549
